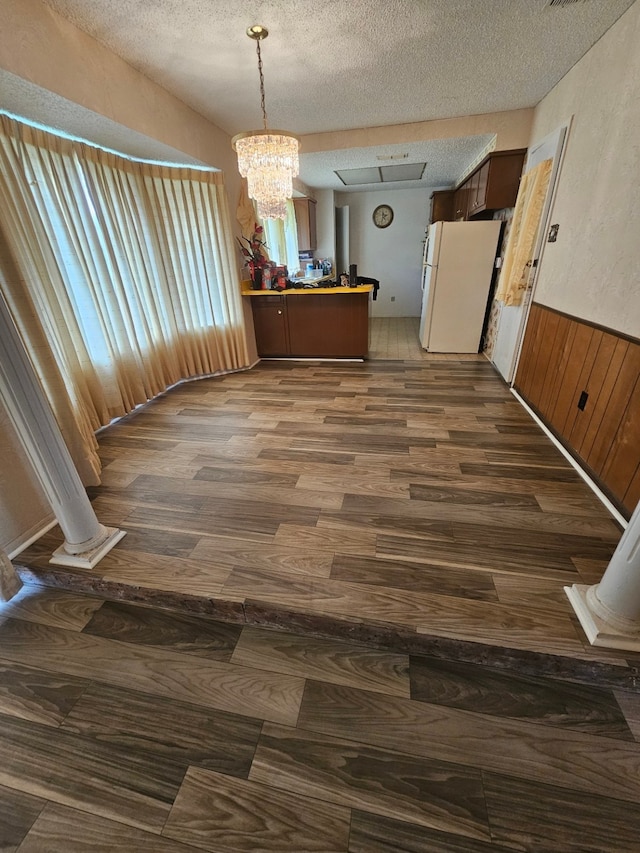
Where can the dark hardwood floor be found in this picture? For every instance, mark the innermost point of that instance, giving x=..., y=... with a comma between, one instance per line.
x=336, y=623
x=125, y=728
x=373, y=500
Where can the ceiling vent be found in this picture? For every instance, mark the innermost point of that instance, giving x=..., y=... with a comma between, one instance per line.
x=392, y=156
x=556, y=4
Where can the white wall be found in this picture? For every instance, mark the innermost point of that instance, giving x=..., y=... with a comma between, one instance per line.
x=325, y=224
x=393, y=255
x=593, y=271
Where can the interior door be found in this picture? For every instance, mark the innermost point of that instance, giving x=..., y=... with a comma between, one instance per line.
x=512, y=320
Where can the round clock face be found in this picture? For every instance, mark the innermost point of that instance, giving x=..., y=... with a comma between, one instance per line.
x=383, y=216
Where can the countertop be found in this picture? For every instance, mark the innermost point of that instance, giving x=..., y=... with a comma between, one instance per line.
x=333, y=291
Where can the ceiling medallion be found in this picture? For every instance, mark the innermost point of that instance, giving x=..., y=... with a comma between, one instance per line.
x=268, y=159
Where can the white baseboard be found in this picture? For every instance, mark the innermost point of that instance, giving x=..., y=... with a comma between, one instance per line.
x=622, y=521
x=17, y=546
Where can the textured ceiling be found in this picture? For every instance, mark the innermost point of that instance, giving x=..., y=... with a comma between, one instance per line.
x=445, y=158
x=345, y=64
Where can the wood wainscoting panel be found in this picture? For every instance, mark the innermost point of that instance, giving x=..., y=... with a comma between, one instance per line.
x=632, y=495
x=609, y=357
x=622, y=422
x=557, y=354
x=576, y=353
x=584, y=381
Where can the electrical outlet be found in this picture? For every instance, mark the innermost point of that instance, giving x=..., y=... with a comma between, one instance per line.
x=553, y=233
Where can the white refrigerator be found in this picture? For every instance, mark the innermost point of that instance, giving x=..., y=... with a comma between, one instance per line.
x=458, y=263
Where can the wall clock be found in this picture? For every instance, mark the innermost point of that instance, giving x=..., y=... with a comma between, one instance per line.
x=382, y=216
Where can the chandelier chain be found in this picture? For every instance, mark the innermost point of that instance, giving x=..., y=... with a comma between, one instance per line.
x=267, y=159
x=262, y=104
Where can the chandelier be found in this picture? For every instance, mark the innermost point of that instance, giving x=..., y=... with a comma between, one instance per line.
x=268, y=159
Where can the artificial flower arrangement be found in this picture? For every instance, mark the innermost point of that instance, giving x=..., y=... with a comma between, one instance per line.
x=256, y=258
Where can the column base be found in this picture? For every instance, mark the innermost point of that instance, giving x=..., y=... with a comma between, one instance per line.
x=598, y=632
x=87, y=559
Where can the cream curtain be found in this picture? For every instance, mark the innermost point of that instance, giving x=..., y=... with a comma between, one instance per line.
x=246, y=211
x=121, y=277
x=514, y=277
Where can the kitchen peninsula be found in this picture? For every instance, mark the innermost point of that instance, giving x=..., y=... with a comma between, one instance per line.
x=319, y=322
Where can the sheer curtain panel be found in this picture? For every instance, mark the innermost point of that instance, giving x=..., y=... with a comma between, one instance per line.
x=121, y=276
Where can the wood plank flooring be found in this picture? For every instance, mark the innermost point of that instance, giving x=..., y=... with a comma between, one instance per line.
x=413, y=498
x=379, y=752
x=337, y=622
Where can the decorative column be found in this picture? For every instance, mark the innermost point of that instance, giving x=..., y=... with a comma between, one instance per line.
x=10, y=583
x=86, y=540
x=609, y=612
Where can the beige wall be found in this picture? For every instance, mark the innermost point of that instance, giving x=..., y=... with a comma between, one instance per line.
x=593, y=270
x=43, y=48
x=512, y=130
x=23, y=508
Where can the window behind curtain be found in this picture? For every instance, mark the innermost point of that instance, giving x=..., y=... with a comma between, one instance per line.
x=127, y=268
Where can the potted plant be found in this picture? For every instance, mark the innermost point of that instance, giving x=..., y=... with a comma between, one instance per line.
x=255, y=255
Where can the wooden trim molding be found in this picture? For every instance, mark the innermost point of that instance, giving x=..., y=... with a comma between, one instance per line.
x=583, y=380
x=590, y=323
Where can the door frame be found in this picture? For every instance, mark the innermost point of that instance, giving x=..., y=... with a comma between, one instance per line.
x=557, y=142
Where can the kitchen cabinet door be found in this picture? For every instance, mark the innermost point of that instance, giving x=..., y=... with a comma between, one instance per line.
x=461, y=202
x=479, y=196
x=503, y=171
x=270, y=324
x=472, y=196
x=322, y=326
x=442, y=208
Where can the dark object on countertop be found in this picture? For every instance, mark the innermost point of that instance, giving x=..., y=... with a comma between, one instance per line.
x=353, y=275
x=374, y=281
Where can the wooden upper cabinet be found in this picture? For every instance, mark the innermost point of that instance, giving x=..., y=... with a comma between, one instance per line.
x=496, y=181
x=461, y=202
x=491, y=186
x=472, y=192
x=305, y=209
x=442, y=209
x=478, y=198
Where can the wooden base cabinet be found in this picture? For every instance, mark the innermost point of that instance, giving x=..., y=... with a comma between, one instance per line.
x=270, y=324
x=310, y=325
